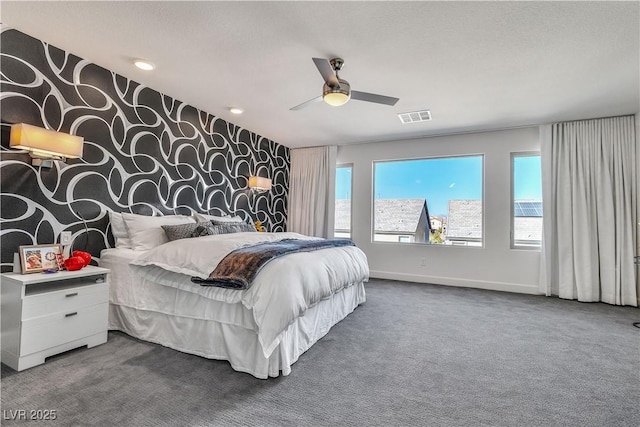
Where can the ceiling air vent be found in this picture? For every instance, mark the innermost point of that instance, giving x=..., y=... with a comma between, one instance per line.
x=415, y=116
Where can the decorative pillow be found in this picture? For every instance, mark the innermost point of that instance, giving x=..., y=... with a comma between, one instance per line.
x=203, y=229
x=236, y=227
x=224, y=222
x=186, y=231
x=146, y=232
x=204, y=217
x=119, y=230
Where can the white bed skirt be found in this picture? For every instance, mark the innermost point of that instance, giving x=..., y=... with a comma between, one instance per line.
x=237, y=344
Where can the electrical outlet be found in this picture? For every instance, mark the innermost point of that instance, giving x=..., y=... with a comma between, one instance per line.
x=423, y=262
x=65, y=238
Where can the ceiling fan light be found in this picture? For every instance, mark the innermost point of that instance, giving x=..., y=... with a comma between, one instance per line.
x=335, y=99
x=337, y=95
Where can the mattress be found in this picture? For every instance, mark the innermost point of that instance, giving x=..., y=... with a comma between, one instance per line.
x=147, y=295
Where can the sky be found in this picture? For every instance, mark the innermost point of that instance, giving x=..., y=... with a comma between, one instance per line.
x=440, y=180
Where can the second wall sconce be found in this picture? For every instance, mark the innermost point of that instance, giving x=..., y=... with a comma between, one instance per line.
x=259, y=184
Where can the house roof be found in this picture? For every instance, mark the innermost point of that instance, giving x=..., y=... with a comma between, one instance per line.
x=527, y=229
x=399, y=215
x=464, y=219
x=343, y=215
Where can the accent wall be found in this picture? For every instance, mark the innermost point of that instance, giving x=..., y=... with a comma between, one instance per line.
x=144, y=152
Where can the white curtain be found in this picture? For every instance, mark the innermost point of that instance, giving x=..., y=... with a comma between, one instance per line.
x=590, y=202
x=309, y=180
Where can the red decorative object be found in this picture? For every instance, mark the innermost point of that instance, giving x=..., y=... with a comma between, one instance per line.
x=86, y=256
x=74, y=263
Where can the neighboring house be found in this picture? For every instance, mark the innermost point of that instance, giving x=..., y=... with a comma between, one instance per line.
x=527, y=223
x=401, y=220
x=397, y=220
x=437, y=222
x=464, y=222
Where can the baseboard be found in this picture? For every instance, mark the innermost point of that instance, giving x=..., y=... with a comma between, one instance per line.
x=452, y=281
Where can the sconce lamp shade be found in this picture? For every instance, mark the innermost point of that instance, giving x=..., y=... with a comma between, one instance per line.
x=45, y=143
x=259, y=183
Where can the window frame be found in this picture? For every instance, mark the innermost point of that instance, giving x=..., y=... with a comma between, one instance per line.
x=428, y=243
x=512, y=215
x=350, y=166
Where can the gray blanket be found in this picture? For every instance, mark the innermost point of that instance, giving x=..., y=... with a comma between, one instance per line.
x=238, y=269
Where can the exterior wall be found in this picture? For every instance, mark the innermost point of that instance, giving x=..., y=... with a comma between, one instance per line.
x=422, y=232
x=380, y=237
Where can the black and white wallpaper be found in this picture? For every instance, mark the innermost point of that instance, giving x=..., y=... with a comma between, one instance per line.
x=144, y=152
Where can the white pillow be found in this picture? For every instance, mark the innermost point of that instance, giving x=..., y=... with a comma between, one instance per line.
x=146, y=232
x=119, y=230
x=204, y=217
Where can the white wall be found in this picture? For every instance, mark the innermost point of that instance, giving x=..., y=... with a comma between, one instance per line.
x=494, y=266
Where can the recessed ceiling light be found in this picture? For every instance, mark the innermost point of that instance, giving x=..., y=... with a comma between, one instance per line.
x=144, y=65
x=236, y=110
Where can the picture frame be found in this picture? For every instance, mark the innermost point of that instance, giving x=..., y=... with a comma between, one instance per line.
x=38, y=258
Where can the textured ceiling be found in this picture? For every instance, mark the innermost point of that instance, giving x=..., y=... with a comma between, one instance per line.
x=475, y=65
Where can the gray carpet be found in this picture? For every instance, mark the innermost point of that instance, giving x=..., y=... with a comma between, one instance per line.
x=413, y=355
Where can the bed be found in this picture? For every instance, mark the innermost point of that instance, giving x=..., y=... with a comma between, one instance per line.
x=293, y=302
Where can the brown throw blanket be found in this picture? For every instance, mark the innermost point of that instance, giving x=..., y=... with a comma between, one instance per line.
x=238, y=269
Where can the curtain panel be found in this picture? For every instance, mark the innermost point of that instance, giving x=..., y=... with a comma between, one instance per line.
x=590, y=203
x=309, y=182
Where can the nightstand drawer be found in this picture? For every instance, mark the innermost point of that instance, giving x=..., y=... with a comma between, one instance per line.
x=65, y=300
x=49, y=331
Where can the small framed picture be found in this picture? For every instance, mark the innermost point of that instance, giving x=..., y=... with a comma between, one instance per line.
x=37, y=258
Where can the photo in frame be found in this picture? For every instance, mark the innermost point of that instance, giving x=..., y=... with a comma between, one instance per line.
x=37, y=258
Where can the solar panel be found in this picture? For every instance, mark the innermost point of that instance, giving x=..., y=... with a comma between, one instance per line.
x=527, y=209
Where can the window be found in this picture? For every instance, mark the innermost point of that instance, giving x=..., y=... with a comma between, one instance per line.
x=342, y=224
x=526, y=195
x=435, y=200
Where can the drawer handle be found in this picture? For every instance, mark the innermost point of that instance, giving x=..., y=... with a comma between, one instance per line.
x=71, y=295
x=71, y=314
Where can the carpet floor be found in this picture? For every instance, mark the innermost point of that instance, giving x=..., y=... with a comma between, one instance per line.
x=412, y=355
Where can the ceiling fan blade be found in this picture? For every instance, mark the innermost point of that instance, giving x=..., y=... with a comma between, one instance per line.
x=327, y=72
x=306, y=103
x=372, y=97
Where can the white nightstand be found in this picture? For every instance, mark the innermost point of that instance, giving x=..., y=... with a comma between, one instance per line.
x=46, y=314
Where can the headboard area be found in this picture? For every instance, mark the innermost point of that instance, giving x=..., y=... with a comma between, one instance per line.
x=144, y=153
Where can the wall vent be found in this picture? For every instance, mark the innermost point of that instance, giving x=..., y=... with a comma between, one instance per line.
x=415, y=116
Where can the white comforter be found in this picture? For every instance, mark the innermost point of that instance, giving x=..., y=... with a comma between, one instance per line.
x=281, y=292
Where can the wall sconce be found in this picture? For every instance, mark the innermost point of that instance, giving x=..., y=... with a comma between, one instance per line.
x=45, y=145
x=259, y=184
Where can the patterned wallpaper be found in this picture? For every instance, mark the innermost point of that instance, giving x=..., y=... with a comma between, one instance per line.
x=144, y=152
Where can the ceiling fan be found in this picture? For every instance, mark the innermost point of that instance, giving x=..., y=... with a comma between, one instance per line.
x=337, y=91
